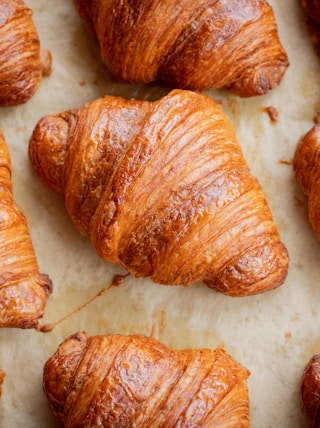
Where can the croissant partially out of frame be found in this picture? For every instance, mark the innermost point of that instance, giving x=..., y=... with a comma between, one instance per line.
x=163, y=189
x=135, y=381
x=306, y=166
x=189, y=45
x=312, y=12
x=310, y=392
x=23, y=290
x=22, y=63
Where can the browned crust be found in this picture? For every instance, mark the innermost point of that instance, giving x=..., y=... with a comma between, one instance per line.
x=163, y=189
x=22, y=65
x=23, y=289
x=212, y=44
x=306, y=166
x=117, y=380
x=310, y=392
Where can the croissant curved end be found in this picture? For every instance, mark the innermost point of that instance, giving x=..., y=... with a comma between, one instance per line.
x=56, y=376
x=260, y=81
x=47, y=149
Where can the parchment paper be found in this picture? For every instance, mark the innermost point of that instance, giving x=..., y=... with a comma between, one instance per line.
x=272, y=334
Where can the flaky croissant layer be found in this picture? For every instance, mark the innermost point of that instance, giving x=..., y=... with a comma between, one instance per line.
x=163, y=189
x=23, y=289
x=135, y=381
x=306, y=166
x=191, y=45
x=22, y=63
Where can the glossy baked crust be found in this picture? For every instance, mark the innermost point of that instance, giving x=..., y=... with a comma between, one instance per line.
x=310, y=392
x=189, y=45
x=163, y=189
x=23, y=290
x=306, y=166
x=126, y=381
x=22, y=62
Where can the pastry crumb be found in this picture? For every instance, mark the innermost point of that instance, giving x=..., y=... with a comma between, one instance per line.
x=273, y=114
x=285, y=161
x=2, y=376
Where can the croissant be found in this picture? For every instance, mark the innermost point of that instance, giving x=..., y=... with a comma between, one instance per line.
x=306, y=166
x=22, y=62
x=310, y=392
x=162, y=188
x=23, y=290
x=135, y=381
x=311, y=9
x=189, y=45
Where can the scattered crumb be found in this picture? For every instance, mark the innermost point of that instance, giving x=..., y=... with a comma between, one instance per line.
x=82, y=83
x=21, y=128
x=158, y=327
x=233, y=105
x=2, y=376
x=285, y=161
x=46, y=328
x=288, y=335
x=46, y=62
x=273, y=113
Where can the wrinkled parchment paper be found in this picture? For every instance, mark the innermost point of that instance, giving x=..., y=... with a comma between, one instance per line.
x=273, y=334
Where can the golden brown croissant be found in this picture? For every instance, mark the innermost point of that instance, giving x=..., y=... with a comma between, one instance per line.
x=191, y=45
x=126, y=381
x=312, y=11
x=163, y=189
x=306, y=166
x=310, y=392
x=23, y=290
x=22, y=62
